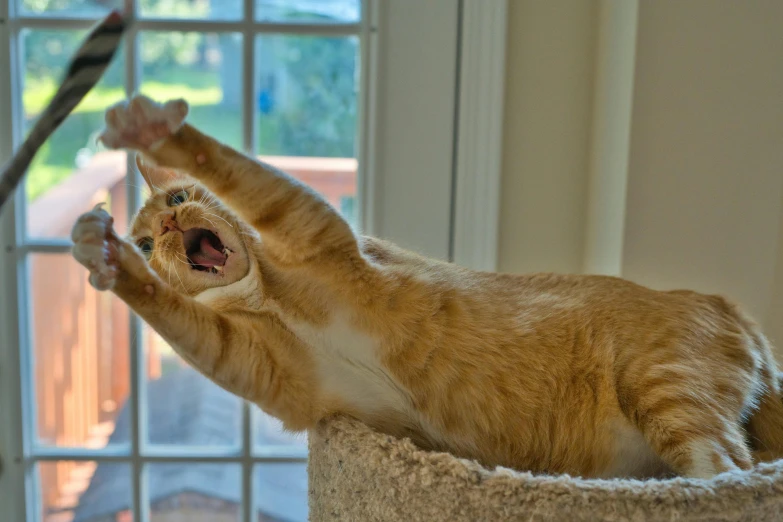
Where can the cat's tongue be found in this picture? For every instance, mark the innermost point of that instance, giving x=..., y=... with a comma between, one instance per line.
x=208, y=255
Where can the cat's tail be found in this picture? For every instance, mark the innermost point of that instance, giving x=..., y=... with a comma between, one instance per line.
x=765, y=427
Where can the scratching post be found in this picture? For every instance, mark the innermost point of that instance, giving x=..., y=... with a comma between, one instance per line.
x=358, y=474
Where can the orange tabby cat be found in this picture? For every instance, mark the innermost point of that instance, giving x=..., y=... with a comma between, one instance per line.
x=261, y=285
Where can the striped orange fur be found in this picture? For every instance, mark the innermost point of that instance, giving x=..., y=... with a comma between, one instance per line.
x=587, y=375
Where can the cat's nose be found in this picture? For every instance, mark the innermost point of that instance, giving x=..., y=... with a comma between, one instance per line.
x=167, y=222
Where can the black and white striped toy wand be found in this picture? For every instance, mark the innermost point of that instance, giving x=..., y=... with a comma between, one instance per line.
x=86, y=68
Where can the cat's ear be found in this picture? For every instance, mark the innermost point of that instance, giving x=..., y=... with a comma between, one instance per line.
x=155, y=176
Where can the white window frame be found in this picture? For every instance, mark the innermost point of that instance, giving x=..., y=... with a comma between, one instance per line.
x=422, y=99
x=479, y=134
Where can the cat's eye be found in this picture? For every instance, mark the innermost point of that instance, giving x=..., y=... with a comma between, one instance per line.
x=178, y=198
x=145, y=245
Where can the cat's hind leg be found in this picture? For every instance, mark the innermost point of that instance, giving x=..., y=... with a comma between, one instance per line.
x=695, y=444
x=765, y=426
x=691, y=421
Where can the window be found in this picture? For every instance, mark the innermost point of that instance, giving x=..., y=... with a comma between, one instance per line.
x=99, y=419
x=118, y=422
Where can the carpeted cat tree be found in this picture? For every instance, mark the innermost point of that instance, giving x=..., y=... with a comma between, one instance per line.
x=357, y=474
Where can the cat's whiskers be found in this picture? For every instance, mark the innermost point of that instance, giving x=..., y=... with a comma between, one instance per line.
x=210, y=221
x=171, y=267
x=135, y=185
x=211, y=203
x=210, y=207
x=178, y=277
x=169, y=249
x=220, y=218
x=182, y=258
x=164, y=250
x=155, y=255
x=208, y=200
x=202, y=198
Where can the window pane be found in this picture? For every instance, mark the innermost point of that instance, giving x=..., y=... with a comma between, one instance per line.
x=184, y=407
x=324, y=11
x=81, y=374
x=268, y=432
x=192, y=9
x=194, y=492
x=280, y=492
x=306, y=95
x=84, y=491
x=203, y=68
x=306, y=98
x=80, y=8
x=71, y=172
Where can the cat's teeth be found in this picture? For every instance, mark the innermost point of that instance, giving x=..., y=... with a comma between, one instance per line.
x=217, y=269
x=226, y=251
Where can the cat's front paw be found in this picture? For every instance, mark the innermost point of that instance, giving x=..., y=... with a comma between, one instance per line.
x=142, y=123
x=95, y=247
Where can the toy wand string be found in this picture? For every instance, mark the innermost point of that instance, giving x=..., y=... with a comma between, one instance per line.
x=84, y=71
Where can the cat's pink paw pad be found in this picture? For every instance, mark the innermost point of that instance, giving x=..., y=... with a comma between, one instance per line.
x=94, y=247
x=142, y=123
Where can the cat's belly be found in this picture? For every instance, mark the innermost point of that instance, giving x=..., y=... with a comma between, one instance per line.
x=348, y=370
x=630, y=454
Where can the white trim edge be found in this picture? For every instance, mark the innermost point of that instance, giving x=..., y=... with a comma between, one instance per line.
x=479, y=134
x=13, y=468
x=611, y=136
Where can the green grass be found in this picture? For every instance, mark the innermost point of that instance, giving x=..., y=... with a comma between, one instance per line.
x=38, y=93
x=46, y=176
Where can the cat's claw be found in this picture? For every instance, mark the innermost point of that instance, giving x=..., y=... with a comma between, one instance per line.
x=95, y=247
x=141, y=123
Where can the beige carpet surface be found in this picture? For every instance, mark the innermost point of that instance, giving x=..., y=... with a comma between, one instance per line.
x=359, y=475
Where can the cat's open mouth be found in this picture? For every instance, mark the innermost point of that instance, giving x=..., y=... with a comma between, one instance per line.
x=205, y=251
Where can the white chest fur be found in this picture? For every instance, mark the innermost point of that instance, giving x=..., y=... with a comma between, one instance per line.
x=348, y=366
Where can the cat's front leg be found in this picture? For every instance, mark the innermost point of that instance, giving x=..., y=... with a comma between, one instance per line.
x=249, y=353
x=298, y=225
x=141, y=124
x=108, y=257
x=115, y=264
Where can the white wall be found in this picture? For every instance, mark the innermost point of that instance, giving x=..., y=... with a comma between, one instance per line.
x=549, y=59
x=705, y=183
x=704, y=199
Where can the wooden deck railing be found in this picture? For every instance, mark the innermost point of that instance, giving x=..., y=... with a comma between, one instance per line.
x=80, y=336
